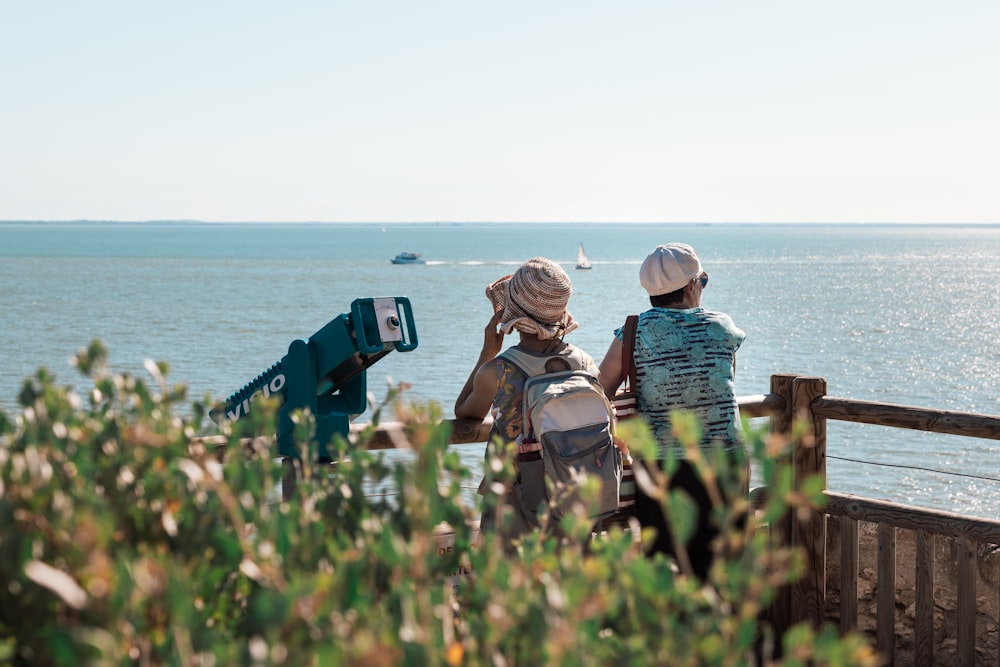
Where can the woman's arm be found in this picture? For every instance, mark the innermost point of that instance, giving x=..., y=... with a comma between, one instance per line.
x=480, y=388
x=612, y=373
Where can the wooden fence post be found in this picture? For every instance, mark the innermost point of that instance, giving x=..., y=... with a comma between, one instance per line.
x=809, y=528
x=781, y=427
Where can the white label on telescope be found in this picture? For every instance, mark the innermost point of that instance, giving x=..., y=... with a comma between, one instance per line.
x=387, y=315
x=242, y=409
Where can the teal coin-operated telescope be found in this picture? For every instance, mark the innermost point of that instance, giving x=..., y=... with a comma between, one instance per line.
x=325, y=374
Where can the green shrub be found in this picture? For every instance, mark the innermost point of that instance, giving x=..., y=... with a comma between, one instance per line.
x=125, y=539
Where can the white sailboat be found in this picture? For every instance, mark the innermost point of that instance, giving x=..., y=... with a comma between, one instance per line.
x=582, y=262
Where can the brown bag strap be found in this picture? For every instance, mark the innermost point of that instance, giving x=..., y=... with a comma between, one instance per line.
x=628, y=350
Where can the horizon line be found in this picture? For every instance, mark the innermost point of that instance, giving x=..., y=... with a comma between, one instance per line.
x=192, y=221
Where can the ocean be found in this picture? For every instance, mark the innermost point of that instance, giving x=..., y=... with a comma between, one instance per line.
x=898, y=313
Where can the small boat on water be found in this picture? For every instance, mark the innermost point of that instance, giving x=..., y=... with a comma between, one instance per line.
x=582, y=261
x=406, y=257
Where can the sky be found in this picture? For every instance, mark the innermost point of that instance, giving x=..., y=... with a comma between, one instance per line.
x=386, y=111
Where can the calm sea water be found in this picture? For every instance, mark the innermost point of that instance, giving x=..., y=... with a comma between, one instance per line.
x=904, y=314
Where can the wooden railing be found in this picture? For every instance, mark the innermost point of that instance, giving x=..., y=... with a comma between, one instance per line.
x=803, y=400
x=927, y=524
x=806, y=400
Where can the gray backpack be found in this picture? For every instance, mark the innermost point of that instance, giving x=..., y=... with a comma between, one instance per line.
x=567, y=437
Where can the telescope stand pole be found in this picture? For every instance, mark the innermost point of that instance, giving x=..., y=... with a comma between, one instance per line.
x=289, y=477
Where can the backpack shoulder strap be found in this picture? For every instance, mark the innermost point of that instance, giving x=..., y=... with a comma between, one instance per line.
x=532, y=365
x=528, y=363
x=628, y=352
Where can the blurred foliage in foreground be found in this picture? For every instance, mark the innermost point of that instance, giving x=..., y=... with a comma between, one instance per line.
x=124, y=540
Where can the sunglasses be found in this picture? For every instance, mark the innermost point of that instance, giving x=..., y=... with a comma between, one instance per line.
x=704, y=280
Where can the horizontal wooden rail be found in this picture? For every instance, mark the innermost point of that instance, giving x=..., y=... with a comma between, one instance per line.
x=906, y=416
x=392, y=435
x=466, y=431
x=937, y=522
x=761, y=405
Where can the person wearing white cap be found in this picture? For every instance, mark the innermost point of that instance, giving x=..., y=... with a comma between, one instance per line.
x=533, y=302
x=685, y=359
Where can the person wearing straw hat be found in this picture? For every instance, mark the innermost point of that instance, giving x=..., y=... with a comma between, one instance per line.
x=685, y=359
x=533, y=301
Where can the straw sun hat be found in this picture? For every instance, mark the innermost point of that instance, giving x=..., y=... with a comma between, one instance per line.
x=537, y=295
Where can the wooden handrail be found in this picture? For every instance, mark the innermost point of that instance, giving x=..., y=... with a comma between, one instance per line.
x=762, y=405
x=949, y=422
x=467, y=431
x=889, y=516
x=392, y=435
x=937, y=522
